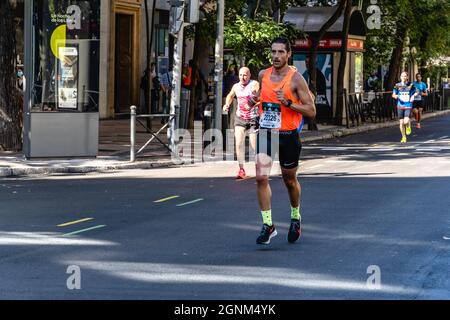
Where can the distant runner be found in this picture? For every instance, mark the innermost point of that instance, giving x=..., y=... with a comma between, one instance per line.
x=404, y=93
x=419, y=99
x=246, y=118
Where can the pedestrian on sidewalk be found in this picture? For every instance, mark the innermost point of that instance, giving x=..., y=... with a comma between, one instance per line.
x=419, y=99
x=246, y=117
x=156, y=87
x=166, y=88
x=404, y=92
x=285, y=100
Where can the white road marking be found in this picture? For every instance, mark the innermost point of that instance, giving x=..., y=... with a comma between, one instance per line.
x=340, y=161
x=380, y=149
x=314, y=167
x=430, y=149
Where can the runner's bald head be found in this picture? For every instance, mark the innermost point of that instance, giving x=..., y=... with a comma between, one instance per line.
x=244, y=75
x=244, y=69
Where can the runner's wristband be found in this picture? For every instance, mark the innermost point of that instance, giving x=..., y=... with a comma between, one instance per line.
x=289, y=103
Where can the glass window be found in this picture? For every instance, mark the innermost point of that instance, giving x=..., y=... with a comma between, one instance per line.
x=66, y=56
x=359, y=72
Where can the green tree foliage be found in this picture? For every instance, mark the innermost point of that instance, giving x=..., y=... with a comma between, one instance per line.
x=251, y=38
x=250, y=28
x=431, y=36
x=425, y=22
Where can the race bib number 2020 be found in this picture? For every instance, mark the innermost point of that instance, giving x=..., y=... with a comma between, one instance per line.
x=271, y=116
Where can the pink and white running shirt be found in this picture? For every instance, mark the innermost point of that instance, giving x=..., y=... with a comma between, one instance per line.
x=244, y=96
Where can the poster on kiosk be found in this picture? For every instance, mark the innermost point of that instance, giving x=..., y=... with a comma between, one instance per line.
x=68, y=78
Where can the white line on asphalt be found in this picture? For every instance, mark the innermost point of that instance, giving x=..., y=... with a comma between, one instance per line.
x=430, y=149
x=313, y=167
x=190, y=202
x=444, y=137
x=334, y=149
x=380, y=149
x=84, y=230
x=340, y=161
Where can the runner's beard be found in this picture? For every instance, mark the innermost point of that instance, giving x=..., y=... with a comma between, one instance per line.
x=279, y=67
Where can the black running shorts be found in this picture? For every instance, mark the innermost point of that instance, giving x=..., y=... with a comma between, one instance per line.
x=285, y=143
x=418, y=104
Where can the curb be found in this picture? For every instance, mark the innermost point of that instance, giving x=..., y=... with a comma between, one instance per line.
x=365, y=128
x=324, y=135
x=17, y=172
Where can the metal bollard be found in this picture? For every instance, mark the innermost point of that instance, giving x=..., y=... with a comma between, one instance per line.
x=224, y=128
x=207, y=123
x=132, y=133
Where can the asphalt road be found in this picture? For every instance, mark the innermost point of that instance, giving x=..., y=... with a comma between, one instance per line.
x=376, y=225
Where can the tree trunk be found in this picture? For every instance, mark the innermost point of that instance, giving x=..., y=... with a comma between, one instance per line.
x=342, y=64
x=312, y=123
x=423, y=45
x=396, y=58
x=195, y=81
x=147, y=82
x=10, y=101
x=276, y=11
x=315, y=44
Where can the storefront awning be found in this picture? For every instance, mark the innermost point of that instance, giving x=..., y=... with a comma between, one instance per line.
x=311, y=19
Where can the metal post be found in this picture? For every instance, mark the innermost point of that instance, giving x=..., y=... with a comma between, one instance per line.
x=219, y=65
x=176, y=80
x=132, y=133
x=28, y=73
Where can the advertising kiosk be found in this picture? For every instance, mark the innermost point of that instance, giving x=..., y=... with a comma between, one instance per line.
x=62, y=42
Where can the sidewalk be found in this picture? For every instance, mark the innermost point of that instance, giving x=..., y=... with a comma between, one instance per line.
x=114, y=150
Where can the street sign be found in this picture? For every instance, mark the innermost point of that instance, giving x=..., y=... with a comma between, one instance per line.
x=193, y=11
x=175, y=23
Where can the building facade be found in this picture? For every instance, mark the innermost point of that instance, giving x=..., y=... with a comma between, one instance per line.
x=123, y=53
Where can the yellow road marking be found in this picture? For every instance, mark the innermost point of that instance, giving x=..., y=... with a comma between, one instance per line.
x=166, y=199
x=74, y=222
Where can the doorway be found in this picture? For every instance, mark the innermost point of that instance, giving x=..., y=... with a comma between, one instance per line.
x=123, y=75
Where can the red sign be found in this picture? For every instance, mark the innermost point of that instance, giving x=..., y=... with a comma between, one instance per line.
x=353, y=44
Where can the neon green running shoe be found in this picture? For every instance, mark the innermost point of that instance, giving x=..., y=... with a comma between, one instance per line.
x=408, y=130
x=403, y=140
